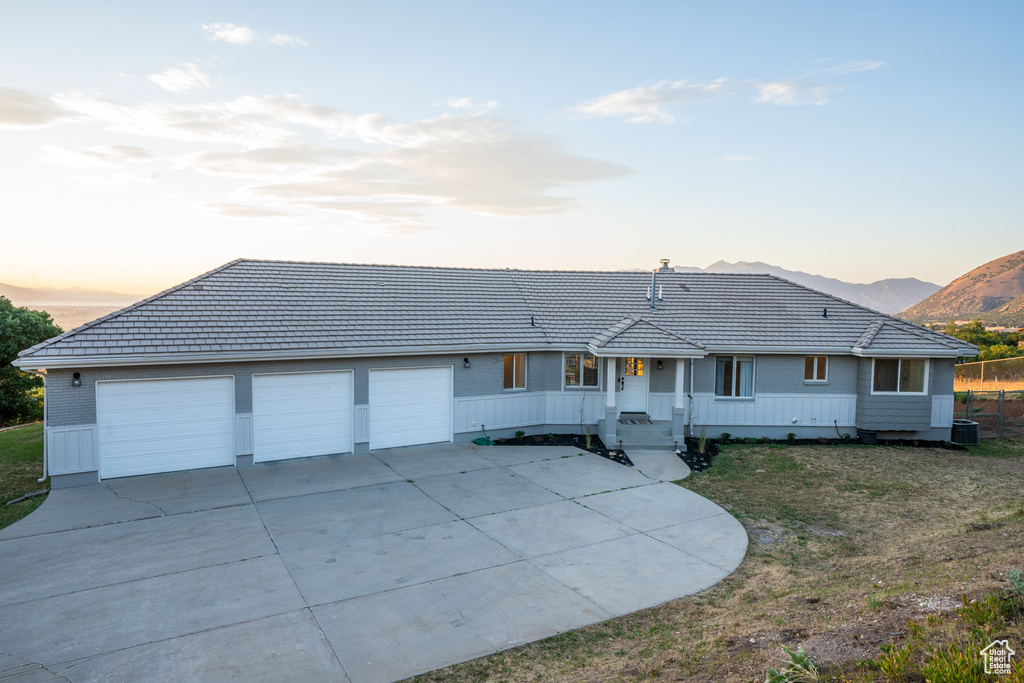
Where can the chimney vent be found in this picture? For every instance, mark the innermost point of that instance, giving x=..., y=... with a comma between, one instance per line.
x=664, y=266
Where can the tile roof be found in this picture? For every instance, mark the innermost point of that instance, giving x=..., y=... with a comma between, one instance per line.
x=639, y=333
x=280, y=307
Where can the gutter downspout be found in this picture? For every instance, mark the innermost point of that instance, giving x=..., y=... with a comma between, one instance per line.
x=46, y=455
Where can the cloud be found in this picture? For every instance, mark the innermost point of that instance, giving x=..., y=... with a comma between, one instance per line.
x=243, y=35
x=738, y=157
x=794, y=91
x=648, y=104
x=266, y=162
x=18, y=109
x=232, y=210
x=229, y=33
x=507, y=173
x=284, y=40
x=294, y=156
x=466, y=103
x=655, y=103
x=178, y=80
x=107, y=156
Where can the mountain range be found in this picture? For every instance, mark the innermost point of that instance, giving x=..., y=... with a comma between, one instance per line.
x=888, y=296
x=992, y=293
x=72, y=296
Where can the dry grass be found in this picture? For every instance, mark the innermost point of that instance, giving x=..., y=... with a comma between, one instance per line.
x=847, y=544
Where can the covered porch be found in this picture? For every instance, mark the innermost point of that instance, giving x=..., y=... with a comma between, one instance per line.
x=648, y=379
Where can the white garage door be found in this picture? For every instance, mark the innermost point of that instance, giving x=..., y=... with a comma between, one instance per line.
x=410, y=406
x=298, y=415
x=164, y=425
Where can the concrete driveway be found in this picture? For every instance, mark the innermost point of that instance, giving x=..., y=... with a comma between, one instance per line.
x=360, y=567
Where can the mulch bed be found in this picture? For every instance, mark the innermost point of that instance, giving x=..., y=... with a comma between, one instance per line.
x=597, y=447
x=694, y=459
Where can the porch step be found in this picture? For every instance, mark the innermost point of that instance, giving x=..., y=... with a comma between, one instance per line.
x=659, y=443
x=656, y=434
x=656, y=428
x=634, y=418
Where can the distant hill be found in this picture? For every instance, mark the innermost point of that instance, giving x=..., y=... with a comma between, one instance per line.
x=73, y=296
x=888, y=296
x=993, y=293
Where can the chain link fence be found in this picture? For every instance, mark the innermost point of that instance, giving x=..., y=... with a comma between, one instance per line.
x=1005, y=374
x=998, y=413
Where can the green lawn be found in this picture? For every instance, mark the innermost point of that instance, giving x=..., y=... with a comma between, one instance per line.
x=21, y=463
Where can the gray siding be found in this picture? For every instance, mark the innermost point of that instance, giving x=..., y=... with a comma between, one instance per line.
x=544, y=371
x=892, y=412
x=941, y=376
x=778, y=374
x=662, y=381
x=67, y=405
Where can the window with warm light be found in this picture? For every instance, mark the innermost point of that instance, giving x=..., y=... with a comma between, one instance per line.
x=515, y=371
x=816, y=368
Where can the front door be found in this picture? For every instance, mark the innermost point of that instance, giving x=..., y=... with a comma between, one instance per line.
x=633, y=385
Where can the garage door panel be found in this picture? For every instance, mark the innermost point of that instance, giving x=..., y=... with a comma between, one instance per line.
x=301, y=415
x=410, y=406
x=151, y=426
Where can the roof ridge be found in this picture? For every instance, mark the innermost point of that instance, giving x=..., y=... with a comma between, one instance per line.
x=126, y=309
x=869, y=335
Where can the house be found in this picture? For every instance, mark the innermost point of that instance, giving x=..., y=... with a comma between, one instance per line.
x=265, y=360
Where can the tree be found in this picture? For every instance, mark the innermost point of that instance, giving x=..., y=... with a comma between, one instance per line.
x=20, y=328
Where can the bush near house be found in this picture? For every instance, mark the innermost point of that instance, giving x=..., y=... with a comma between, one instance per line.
x=20, y=392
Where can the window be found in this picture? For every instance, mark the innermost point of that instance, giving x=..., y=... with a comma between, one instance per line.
x=634, y=367
x=900, y=375
x=515, y=371
x=581, y=370
x=734, y=376
x=815, y=368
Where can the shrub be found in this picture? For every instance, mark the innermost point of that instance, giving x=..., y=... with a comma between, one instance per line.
x=520, y=434
x=1016, y=578
x=799, y=669
x=791, y=437
x=725, y=436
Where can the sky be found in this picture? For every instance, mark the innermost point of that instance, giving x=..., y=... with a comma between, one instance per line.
x=142, y=144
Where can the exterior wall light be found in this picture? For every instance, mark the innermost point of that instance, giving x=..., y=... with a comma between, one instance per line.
x=465, y=362
x=76, y=379
x=661, y=366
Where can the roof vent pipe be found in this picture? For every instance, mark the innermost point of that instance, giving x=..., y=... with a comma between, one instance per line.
x=824, y=313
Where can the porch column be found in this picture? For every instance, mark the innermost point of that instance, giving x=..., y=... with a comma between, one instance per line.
x=680, y=384
x=679, y=407
x=609, y=425
x=609, y=385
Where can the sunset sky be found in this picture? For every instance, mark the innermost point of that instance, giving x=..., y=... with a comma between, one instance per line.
x=144, y=143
